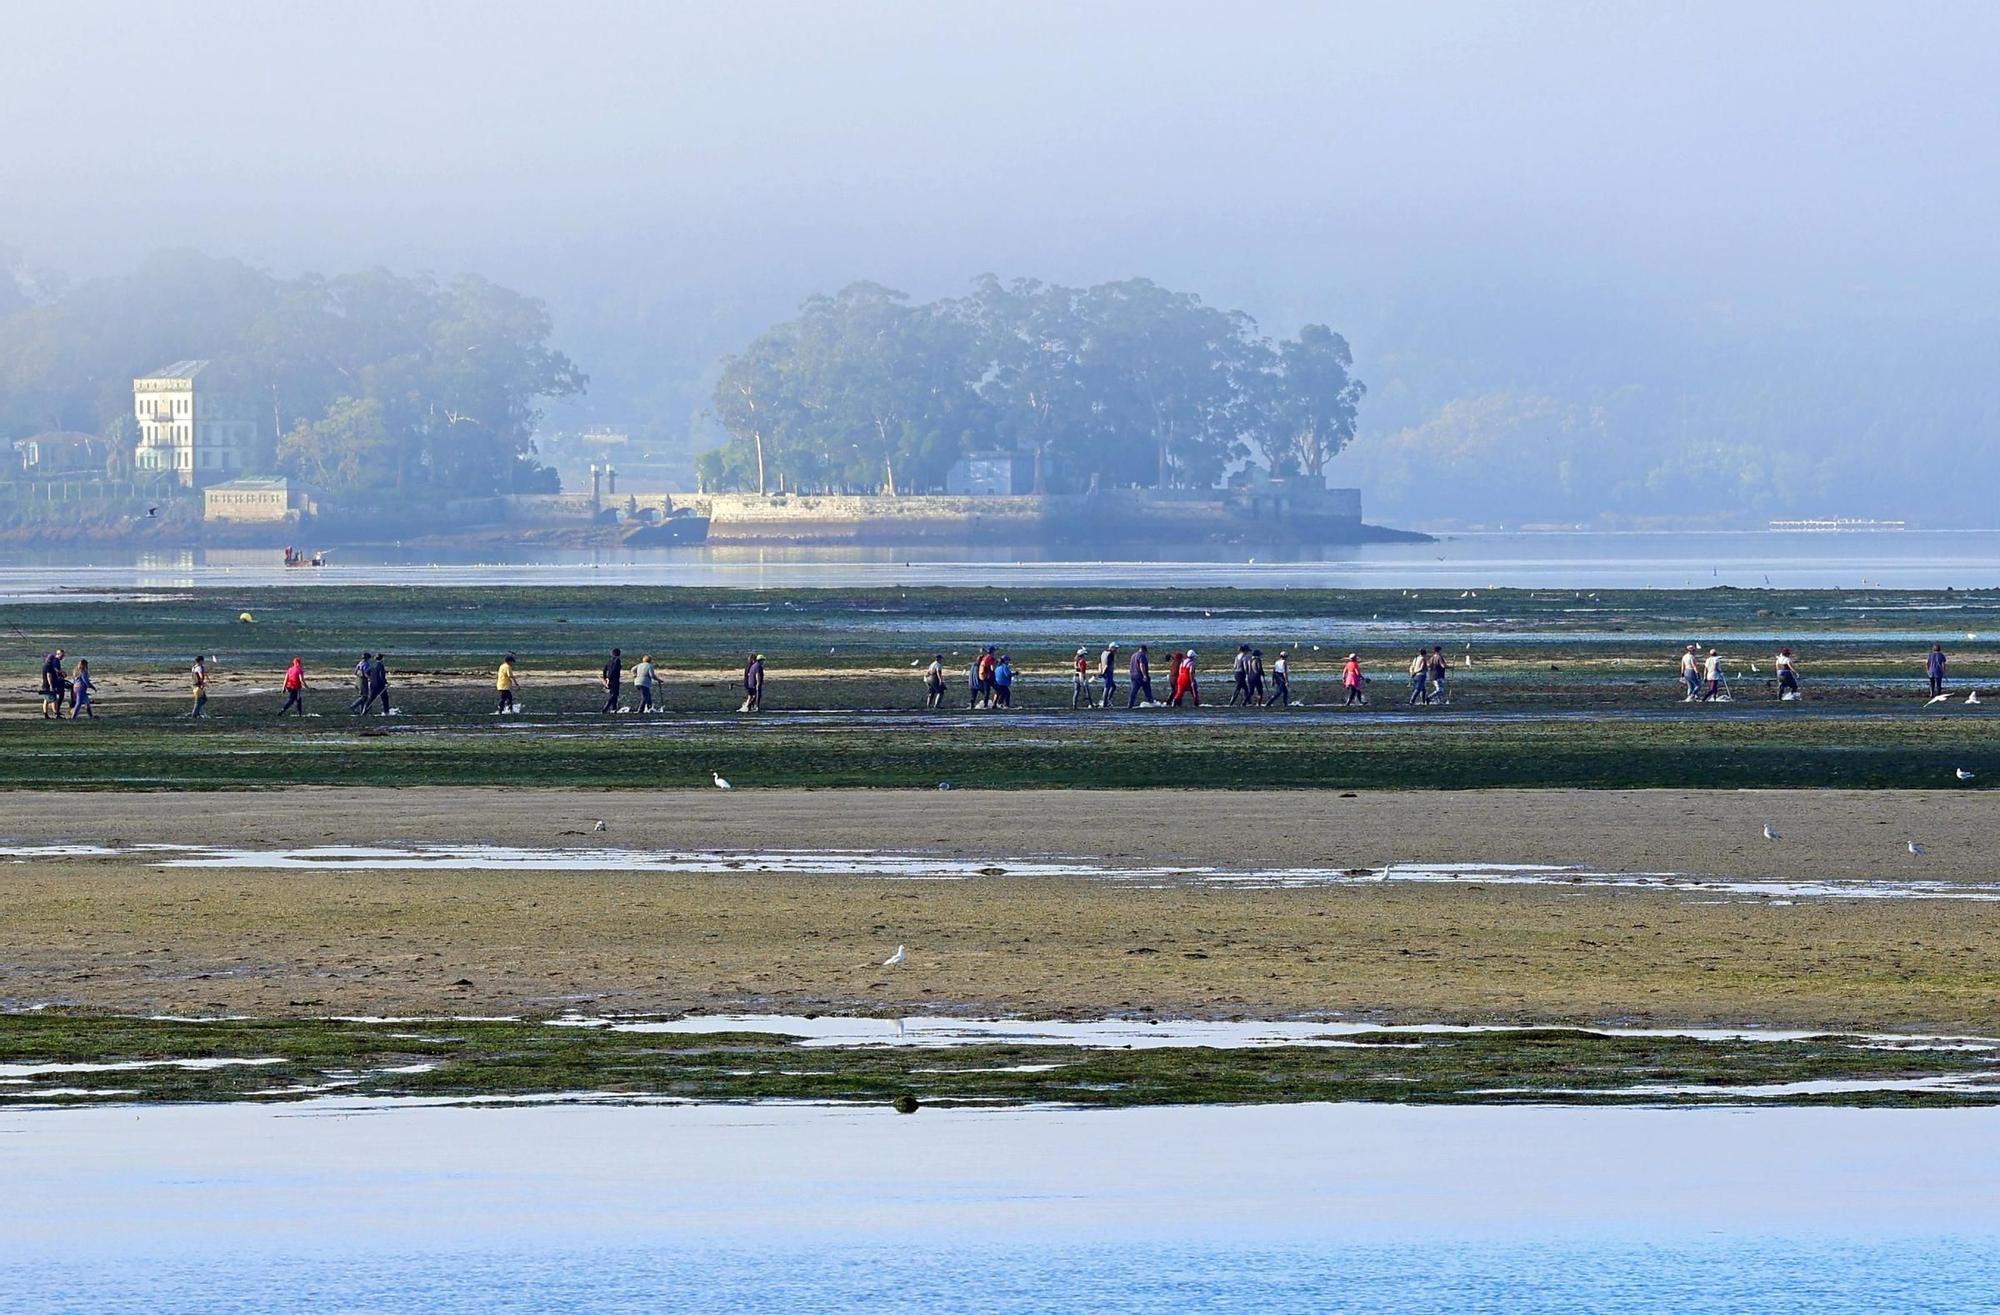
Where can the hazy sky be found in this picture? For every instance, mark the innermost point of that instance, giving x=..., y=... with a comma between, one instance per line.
x=1777, y=155
x=1591, y=202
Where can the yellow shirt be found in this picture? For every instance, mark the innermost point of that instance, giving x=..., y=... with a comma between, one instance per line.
x=505, y=680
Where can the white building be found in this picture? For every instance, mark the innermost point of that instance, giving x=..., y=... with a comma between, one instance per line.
x=191, y=429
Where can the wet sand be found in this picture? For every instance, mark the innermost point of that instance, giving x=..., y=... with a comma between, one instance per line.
x=122, y=934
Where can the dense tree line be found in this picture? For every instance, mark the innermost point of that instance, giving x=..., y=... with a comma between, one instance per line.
x=1122, y=384
x=367, y=383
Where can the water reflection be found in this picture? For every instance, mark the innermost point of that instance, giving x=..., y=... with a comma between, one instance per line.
x=1916, y=559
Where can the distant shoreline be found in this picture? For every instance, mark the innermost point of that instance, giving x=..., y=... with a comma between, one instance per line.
x=799, y=533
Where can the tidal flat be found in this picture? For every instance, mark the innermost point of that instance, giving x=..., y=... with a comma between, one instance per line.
x=1549, y=689
x=1023, y=903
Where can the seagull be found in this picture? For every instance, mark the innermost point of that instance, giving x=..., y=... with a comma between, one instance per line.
x=721, y=784
x=1770, y=833
x=1964, y=775
x=895, y=958
x=1937, y=698
x=599, y=826
x=152, y=511
x=1916, y=848
x=1973, y=698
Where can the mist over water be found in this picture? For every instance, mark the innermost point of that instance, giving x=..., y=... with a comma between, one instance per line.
x=1705, y=264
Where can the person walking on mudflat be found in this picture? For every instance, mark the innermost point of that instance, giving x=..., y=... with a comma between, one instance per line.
x=198, y=679
x=378, y=683
x=1257, y=694
x=1186, y=691
x=1420, y=678
x=1788, y=676
x=1351, y=679
x=364, y=683
x=1281, y=680
x=610, y=678
x=988, y=691
x=505, y=682
x=1934, y=666
x=1140, y=675
x=644, y=677
x=1438, y=669
x=1239, y=672
x=1711, y=676
x=753, y=684
x=934, y=683
x=52, y=686
x=1079, y=694
x=1107, y=675
x=81, y=686
x=295, y=687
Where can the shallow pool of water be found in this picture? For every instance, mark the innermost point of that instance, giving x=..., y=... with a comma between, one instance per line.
x=893, y=865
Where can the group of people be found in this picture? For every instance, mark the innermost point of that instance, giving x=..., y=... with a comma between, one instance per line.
x=1429, y=673
x=1704, y=679
x=66, y=689
x=989, y=679
x=645, y=678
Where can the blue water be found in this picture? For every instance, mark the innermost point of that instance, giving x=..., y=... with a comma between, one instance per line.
x=356, y=1206
x=1721, y=1277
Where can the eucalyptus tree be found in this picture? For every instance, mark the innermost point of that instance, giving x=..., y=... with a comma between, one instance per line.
x=1306, y=402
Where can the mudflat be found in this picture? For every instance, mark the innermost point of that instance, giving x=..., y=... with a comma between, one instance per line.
x=121, y=933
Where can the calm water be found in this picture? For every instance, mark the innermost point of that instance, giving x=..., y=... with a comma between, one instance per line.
x=1916, y=559
x=344, y=1207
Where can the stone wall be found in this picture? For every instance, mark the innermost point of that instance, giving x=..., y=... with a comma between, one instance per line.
x=1117, y=513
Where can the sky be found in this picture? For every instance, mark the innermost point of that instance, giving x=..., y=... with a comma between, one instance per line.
x=1508, y=192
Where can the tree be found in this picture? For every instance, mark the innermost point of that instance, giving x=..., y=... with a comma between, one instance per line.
x=1120, y=384
x=749, y=397
x=348, y=451
x=456, y=371
x=1033, y=334
x=862, y=390
x=1307, y=405
x=1161, y=367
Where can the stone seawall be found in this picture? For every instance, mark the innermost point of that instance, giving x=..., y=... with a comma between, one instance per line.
x=1124, y=514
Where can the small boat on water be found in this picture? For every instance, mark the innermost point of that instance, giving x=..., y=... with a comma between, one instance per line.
x=293, y=557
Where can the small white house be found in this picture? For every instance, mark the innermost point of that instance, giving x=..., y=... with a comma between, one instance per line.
x=266, y=500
